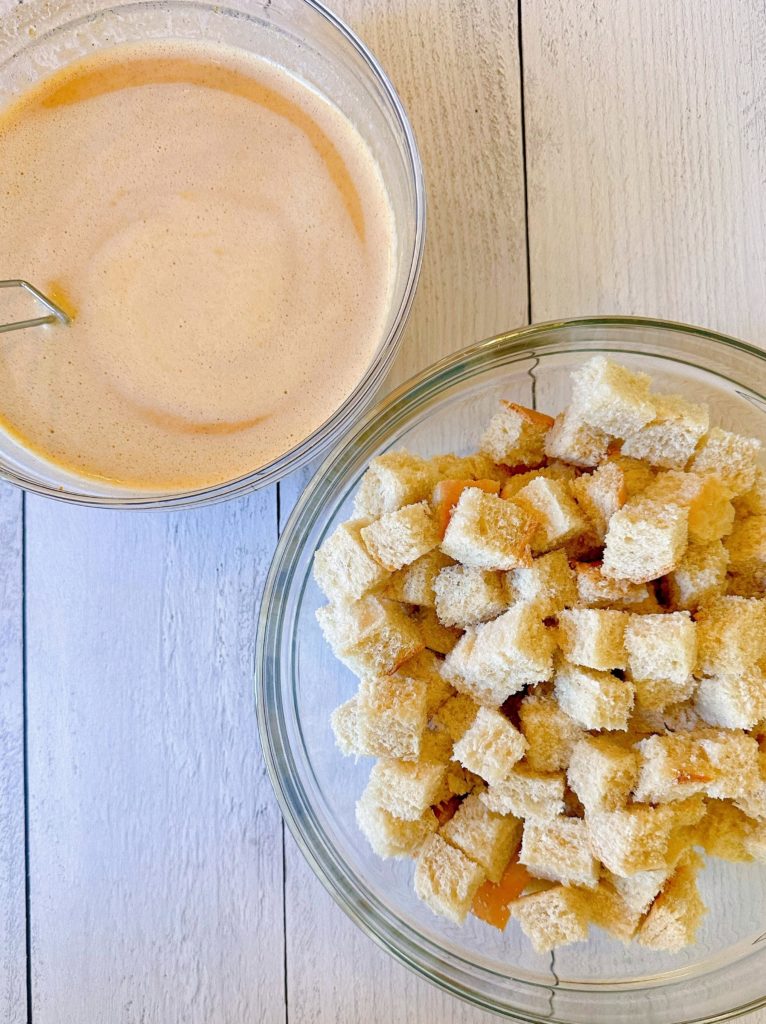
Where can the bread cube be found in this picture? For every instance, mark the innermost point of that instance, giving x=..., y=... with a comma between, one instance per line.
x=724, y=831
x=343, y=721
x=496, y=659
x=551, y=505
x=595, y=590
x=747, y=547
x=636, y=475
x=594, y=637
x=734, y=757
x=753, y=502
x=426, y=666
x=446, y=880
x=392, y=481
x=675, y=915
x=456, y=715
x=734, y=702
x=389, y=836
x=466, y=595
x=490, y=746
x=548, y=583
x=559, y=850
x=399, y=538
x=553, y=471
x=437, y=637
x=597, y=700
x=515, y=435
x=681, y=717
x=476, y=466
x=573, y=440
x=699, y=577
x=645, y=540
x=550, y=733
x=527, y=794
x=633, y=838
x=669, y=440
x=731, y=635
x=610, y=911
x=554, y=917
x=414, y=583
x=611, y=397
x=487, y=838
x=708, y=501
x=370, y=636
x=753, y=800
x=602, y=773
x=343, y=567
x=488, y=532
x=756, y=843
x=730, y=457
x=639, y=890
x=600, y=494
x=405, y=789
x=391, y=716
x=672, y=768
x=662, y=650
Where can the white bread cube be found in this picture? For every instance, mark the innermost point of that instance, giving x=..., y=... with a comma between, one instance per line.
x=427, y=667
x=572, y=440
x=446, y=880
x=370, y=636
x=456, y=715
x=476, y=466
x=594, y=637
x=730, y=457
x=551, y=918
x=655, y=695
x=735, y=701
x=734, y=757
x=633, y=838
x=595, y=590
x=600, y=494
x=489, y=532
x=559, y=851
x=676, y=914
x=699, y=577
x=597, y=700
x=466, y=595
x=551, y=505
x=753, y=502
x=602, y=773
x=391, y=716
x=747, y=546
x=550, y=733
x=548, y=583
x=611, y=397
x=731, y=635
x=610, y=911
x=640, y=889
x=399, y=538
x=669, y=440
x=681, y=717
x=645, y=540
x=662, y=654
x=343, y=567
x=392, y=481
x=708, y=501
x=343, y=721
x=527, y=794
x=636, y=475
x=405, y=789
x=488, y=839
x=490, y=746
x=553, y=471
x=389, y=836
x=724, y=831
x=435, y=635
x=414, y=583
x=672, y=767
x=515, y=436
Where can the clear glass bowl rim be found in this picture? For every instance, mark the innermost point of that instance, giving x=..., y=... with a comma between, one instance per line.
x=358, y=400
x=424, y=957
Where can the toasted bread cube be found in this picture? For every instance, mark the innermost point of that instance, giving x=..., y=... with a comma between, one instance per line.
x=711, y=513
x=389, y=836
x=731, y=635
x=466, y=595
x=600, y=494
x=427, y=667
x=553, y=917
x=659, y=694
x=597, y=700
x=747, y=584
x=724, y=831
x=753, y=502
x=551, y=505
x=515, y=436
x=640, y=889
x=753, y=800
x=756, y=843
x=414, y=583
x=391, y=716
x=405, y=789
x=676, y=914
x=661, y=649
x=645, y=540
x=527, y=794
x=669, y=440
x=488, y=532
x=399, y=538
x=636, y=475
x=548, y=583
x=611, y=397
x=747, y=547
x=370, y=636
x=730, y=457
x=734, y=757
x=610, y=911
x=456, y=715
x=392, y=481
x=559, y=850
x=498, y=658
x=550, y=733
x=477, y=466
x=699, y=577
x=595, y=590
x=437, y=637
x=573, y=440
x=490, y=746
x=487, y=838
x=672, y=768
x=446, y=880
x=602, y=773
x=633, y=838
x=553, y=471
x=734, y=702
x=594, y=637
x=344, y=725
x=343, y=567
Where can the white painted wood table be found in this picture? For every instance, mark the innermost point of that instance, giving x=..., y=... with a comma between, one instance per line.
x=582, y=157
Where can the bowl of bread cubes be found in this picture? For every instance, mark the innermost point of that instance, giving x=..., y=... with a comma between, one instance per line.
x=511, y=673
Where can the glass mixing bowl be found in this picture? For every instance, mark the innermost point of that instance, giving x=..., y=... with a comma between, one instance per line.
x=299, y=683
x=307, y=40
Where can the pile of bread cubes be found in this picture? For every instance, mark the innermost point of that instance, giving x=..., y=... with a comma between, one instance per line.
x=561, y=648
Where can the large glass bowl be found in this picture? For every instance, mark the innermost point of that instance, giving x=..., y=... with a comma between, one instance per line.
x=299, y=683
x=309, y=42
